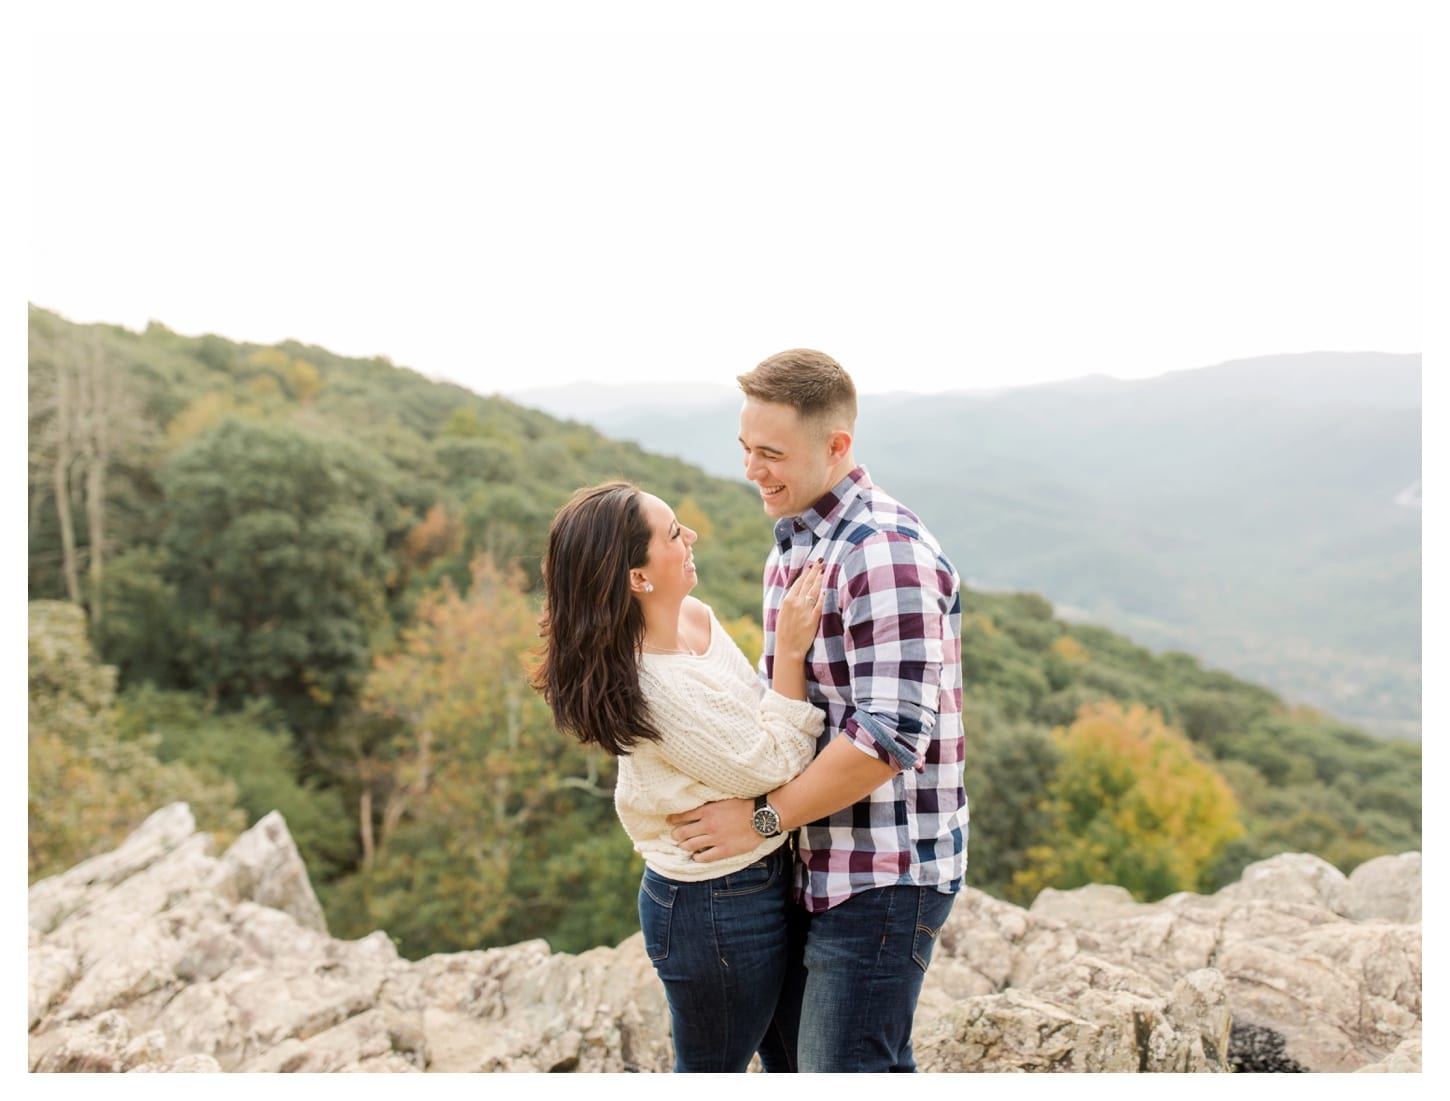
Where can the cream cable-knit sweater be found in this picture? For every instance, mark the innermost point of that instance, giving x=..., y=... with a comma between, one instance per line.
x=723, y=736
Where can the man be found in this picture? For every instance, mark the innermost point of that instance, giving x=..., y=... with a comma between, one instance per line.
x=881, y=810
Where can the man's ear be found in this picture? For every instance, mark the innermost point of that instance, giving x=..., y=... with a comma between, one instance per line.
x=838, y=445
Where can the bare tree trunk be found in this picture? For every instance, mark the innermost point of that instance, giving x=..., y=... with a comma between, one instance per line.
x=60, y=473
x=96, y=413
x=402, y=796
x=365, y=825
x=77, y=426
x=96, y=520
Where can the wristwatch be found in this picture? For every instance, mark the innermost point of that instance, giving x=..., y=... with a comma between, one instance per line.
x=765, y=820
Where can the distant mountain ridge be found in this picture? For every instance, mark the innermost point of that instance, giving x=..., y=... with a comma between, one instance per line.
x=1261, y=513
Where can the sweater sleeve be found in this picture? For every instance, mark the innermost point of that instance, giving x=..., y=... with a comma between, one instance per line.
x=728, y=736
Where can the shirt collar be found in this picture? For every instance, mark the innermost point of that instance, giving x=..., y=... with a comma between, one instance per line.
x=821, y=517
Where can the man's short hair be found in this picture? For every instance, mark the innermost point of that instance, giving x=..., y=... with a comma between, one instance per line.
x=810, y=382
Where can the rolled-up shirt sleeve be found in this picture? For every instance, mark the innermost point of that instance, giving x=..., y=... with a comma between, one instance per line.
x=894, y=595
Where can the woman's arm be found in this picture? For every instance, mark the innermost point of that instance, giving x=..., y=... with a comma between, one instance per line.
x=732, y=739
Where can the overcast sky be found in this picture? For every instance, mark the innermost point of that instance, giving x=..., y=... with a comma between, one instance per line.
x=936, y=208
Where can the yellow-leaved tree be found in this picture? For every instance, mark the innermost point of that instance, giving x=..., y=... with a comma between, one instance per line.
x=1133, y=804
x=480, y=823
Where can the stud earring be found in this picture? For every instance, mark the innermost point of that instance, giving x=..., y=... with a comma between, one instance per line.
x=648, y=587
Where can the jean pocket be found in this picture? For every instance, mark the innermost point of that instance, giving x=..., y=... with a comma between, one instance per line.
x=656, y=908
x=931, y=914
x=750, y=879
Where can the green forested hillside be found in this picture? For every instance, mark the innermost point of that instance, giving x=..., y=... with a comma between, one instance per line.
x=1046, y=785
x=275, y=578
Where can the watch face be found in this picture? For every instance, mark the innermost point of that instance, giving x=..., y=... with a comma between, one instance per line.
x=766, y=822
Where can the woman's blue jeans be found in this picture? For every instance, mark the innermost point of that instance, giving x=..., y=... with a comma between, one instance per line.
x=720, y=948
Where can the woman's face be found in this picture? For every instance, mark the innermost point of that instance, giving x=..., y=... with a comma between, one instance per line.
x=670, y=567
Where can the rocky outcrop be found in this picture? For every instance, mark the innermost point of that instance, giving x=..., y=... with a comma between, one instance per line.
x=161, y=957
x=1306, y=984
x=1084, y=1015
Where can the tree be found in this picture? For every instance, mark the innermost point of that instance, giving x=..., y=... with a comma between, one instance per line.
x=461, y=771
x=100, y=412
x=55, y=434
x=276, y=543
x=88, y=787
x=438, y=535
x=1133, y=805
x=143, y=625
x=255, y=754
x=81, y=412
x=1010, y=766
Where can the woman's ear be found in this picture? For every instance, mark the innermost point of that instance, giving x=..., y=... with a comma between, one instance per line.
x=638, y=583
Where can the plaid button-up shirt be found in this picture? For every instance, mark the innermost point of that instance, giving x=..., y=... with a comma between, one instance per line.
x=886, y=667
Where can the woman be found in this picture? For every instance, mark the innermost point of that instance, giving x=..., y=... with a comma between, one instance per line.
x=637, y=666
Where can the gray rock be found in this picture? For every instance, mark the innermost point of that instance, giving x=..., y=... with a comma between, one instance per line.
x=1406, y=1057
x=1292, y=877
x=54, y=899
x=1086, y=1015
x=187, y=1064
x=1386, y=888
x=1341, y=995
x=97, y=1045
x=265, y=867
x=53, y=971
x=1095, y=902
x=162, y=958
x=107, y=1043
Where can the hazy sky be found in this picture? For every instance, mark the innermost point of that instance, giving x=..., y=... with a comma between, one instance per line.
x=935, y=207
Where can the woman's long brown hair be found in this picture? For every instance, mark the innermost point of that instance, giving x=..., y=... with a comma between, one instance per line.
x=592, y=626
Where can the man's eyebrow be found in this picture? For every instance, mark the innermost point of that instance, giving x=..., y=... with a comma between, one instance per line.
x=761, y=447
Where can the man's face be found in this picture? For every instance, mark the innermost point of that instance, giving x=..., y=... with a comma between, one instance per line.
x=788, y=462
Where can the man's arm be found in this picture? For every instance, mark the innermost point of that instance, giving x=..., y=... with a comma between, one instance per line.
x=838, y=777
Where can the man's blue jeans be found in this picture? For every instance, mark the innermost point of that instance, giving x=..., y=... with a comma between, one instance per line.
x=855, y=976
x=720, y=948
